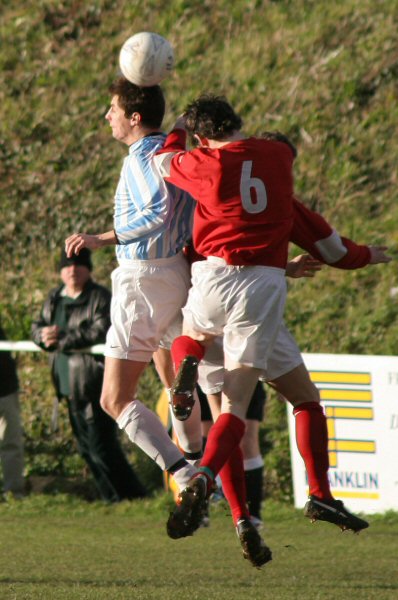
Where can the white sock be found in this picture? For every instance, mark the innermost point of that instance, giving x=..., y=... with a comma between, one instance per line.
x=195, y=462
x=256, y=462
x=183, y=475
x=145, y=430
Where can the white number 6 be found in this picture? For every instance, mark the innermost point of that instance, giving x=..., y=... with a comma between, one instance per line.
x=247, y=182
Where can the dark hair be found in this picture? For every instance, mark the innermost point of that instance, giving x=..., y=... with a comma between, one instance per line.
x=149, y=102
x=277, y=136
x=212, y=117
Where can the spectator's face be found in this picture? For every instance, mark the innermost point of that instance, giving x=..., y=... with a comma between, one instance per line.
x=75, y=277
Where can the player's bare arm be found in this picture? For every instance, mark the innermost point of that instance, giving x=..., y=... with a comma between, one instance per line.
x=77, y=241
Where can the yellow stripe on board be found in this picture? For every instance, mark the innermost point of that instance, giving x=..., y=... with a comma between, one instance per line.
x=364, y=495
x=368, y=447
x=332, y=459
x=340, y=412
x=340, y=377
x=352, y=395
x=331, y=427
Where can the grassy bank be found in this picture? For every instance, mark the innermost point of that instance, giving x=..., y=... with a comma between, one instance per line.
x=323, y=73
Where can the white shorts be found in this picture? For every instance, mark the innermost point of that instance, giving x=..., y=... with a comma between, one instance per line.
x=242, y=304
x=284, y=358
x=147, y=296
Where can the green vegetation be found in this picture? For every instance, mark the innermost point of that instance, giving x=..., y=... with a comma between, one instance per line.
x=325, y=73
x=64, y=549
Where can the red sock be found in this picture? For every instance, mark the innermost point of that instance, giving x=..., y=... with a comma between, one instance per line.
x=224, y=436
x=183, y=346
x=312, y=442
x=234, y=485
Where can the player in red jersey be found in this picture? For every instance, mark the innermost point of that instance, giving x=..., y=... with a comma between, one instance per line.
x=313, y=233
x=244, y=192
x=287, y=374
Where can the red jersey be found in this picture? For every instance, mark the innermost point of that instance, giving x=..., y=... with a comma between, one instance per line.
x=244, y=194
x=314, y=234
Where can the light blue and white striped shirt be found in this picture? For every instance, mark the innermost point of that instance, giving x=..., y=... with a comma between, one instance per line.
x=152, y=218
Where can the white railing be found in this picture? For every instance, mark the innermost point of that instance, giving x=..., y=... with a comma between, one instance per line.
x=31, y=347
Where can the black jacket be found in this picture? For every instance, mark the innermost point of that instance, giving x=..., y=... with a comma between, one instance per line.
x=88, y=323
x=8, y=371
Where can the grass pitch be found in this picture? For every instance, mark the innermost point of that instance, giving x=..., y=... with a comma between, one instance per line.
x=63, y=548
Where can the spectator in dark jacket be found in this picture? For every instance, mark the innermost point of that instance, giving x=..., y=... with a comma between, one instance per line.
x=11, y=434
x=75, y=316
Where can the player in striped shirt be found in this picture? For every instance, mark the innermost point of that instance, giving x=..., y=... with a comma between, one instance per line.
x=152, y=221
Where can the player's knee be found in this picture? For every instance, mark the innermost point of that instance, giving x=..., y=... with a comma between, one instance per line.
x=308, y=393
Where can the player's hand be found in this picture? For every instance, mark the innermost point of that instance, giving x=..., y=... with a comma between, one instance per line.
x=378, y=255
x=77, y=241
x=180, y=123
x=303, y=265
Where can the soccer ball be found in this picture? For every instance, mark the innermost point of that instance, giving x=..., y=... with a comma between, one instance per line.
x=146, y=58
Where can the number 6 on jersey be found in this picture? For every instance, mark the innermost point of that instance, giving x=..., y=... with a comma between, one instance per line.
x=247, y=183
